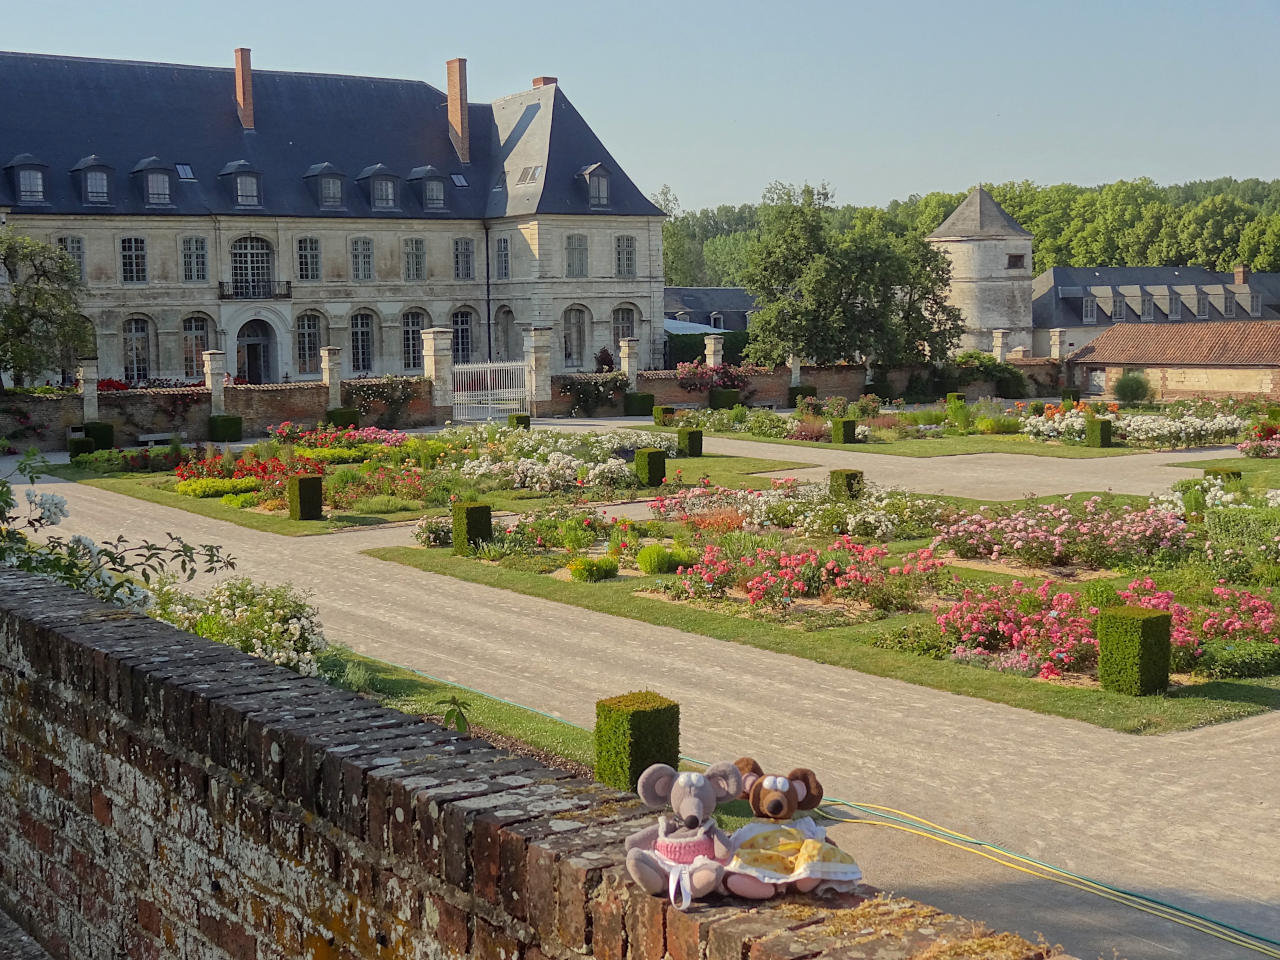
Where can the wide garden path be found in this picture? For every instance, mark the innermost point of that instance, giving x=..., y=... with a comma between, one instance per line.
x=1189, y=817
x=983, y=476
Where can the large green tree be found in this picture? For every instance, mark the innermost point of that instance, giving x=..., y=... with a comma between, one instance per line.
x=41, y=328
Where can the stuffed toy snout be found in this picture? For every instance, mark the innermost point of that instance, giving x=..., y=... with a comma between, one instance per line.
x=776, y=797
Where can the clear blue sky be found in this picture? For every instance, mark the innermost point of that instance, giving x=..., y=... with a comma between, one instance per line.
x=881, y=100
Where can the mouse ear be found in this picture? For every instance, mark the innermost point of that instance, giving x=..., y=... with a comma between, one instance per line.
x=808, y=788
x=726, y=778
x=750, y=771
x=655, y=785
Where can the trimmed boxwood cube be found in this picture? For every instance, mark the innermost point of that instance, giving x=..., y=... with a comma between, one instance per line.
x=723, y=398
x=637, y=404
x=1134, y=650
x=651, y=466
x=78, y=445
x=306, y=497
x=662, y=414
x=1226, y=473
x=1097, y=433
x=689, y=442
x=472, y=524
x=101, y=433
x=955, y=398
x=633, y=732
x=519, y=421
x=847, y=484
x=224, y=428
x=343, y=417
x=795, y=393
x=1071, y=396
x=844, y=430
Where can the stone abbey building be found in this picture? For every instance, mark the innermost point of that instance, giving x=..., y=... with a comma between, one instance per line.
x=269, y=214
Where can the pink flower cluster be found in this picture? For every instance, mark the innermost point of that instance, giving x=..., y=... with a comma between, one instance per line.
x=1238, y=616
x=1021, y=629
x=291, y=432
x=1090, y=534
x=1266, y=449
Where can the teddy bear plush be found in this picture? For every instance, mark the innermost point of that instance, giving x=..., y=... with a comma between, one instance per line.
x=776, y=852
x=683, y=855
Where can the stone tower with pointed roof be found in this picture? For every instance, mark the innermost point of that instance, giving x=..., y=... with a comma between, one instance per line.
x=990, y=273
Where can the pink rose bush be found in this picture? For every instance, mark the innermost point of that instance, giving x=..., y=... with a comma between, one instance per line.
x=1091, y=534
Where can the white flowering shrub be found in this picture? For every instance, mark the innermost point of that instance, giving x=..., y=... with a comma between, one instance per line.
x=1146, y=431
x=272, y=623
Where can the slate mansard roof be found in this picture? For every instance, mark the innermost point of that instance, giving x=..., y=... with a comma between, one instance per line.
x=62, y=110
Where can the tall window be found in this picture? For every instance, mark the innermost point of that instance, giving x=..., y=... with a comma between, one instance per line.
x=158, y=187
x=1202, y=306
x=30, y=186
x=575, y=249
x=137, y=350
x=463, y=259
x=361, y=258
x=624, y=255
x=195, y=341
x=133, y=260
x=1175, y=306
x=252, y=270
x=195, y=260
x=309, y=343
x=330, y=191
x=415, y=259
x=1117, y=308
x=575, y=326
x=433, y=194
x=384, y=193
x=1255, y=304
x=502, y=269
x=97, y=189
x=247, y=194
x=1089, y=310
x=599, y=189
x=624, y=324
x=462, y=336
x=362, y=342
x=1229, y=305
x=411, y=325
x=74, y=246
x=1148, y=307
x=308, y=258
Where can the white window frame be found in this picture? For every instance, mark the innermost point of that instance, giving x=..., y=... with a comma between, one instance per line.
x=30, y=185
x=383, y=193
x=502, y=259
x=1255, y=304
x=307, y=258
x=1229, y=305
x=308, y=339
x=330, y=191
x=412, y=323
x=159, y=189
x=415, y=259
x=575, y=337
x=462, y=345
x=433, y=193
x=362, y=342
x=195, y=341
x=576, y=260
x=1148, y=307
x=464, y=258
x=361, y=259
x=1202, y=306
x=1118, y=307
x=248, y=190
x=74, y=248
x=97, y=186
x=624, y=257
x=195, y=260
x=1175, y=306
x=133, y=260
x=624, y=324
x=1089, y=310
x=136, y=349
x=598, y=189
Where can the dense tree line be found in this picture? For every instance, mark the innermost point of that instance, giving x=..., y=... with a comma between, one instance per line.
x=1209, y=223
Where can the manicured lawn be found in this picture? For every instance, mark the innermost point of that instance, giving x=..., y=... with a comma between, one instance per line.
x=1260, y=473
x=1192, y=706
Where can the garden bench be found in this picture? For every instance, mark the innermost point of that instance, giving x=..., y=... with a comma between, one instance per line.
x=151, y=439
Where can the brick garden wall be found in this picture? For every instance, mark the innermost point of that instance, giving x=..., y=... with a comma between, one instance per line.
x=165, y=796
x=30, y=420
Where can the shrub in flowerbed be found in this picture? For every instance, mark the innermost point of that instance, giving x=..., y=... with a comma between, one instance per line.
x=1097, y=432
x=593, y=569
x=655, y=558
x=346, y=486
x=272, y=472
x=689, y=442
x=723, y=398
x=1239, y=541
x=637, y=404
x=519, y=421
x=434, y=532
x=306, y=497
x=1134, y=650
x=651, y=466
x=343, y=417
x=330, y=436
x=102, y=434
x=472, y=525
x=844, y=430
x=144, y=460
x=847, y=484
x=224, y=428
x=662, y=415
x=1223, y=473
x=1068, y=424
x=1071, y=395
x=79, y=446
x=203, y=487
x=633, y=732
x=802, y=390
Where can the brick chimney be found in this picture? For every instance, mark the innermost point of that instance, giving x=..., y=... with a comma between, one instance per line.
x=459, y=127
x=543, y=81
x=244, y=88
x=1242, y=273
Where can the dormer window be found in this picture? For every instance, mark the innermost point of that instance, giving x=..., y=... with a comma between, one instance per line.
x=433, y=193
x=384, y=193
x=158, y=191
x=28, y=178
x=248, y=193
x=97, y=187
x=598, y=185
x=330, y=191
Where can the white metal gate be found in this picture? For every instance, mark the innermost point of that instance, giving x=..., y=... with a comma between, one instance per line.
x=488, y=391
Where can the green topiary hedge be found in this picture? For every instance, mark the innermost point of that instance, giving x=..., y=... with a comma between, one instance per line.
x=101, y=433
x=306, y=497
x=224, y=428
x=1226, y=473
x=847, y=484
x=844, y=430
x=1097, y=433
x=662, y=415
x=633, y=732
x=1134, y=650
x=795, y=393
x=78, y=445
x=472, y=524
x=723, y=398
x=955, y=398
x=637, y=404
x=651, y=466
x=1071, y=395
x=343, y=417
x=519, y=421
x=689, y=442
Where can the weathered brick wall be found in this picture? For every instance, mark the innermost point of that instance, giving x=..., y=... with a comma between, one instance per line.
x=165, y=796
x=138, y=412
x=31, y=420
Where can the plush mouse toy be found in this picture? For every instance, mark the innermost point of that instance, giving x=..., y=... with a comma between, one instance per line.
x=683, y=856
x=775, y=852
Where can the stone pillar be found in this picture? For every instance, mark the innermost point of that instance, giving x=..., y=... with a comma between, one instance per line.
x=629, y=359
x=437, y=364
x=715, y=349
x=795, y=363
x=1057, y=337
x=537, y=358
x=89, y=387
x=215, y=373
x=331, y=374
x=999, y=348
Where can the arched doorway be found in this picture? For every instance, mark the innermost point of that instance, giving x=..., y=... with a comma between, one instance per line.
x=256, y=352
x=510, y=345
